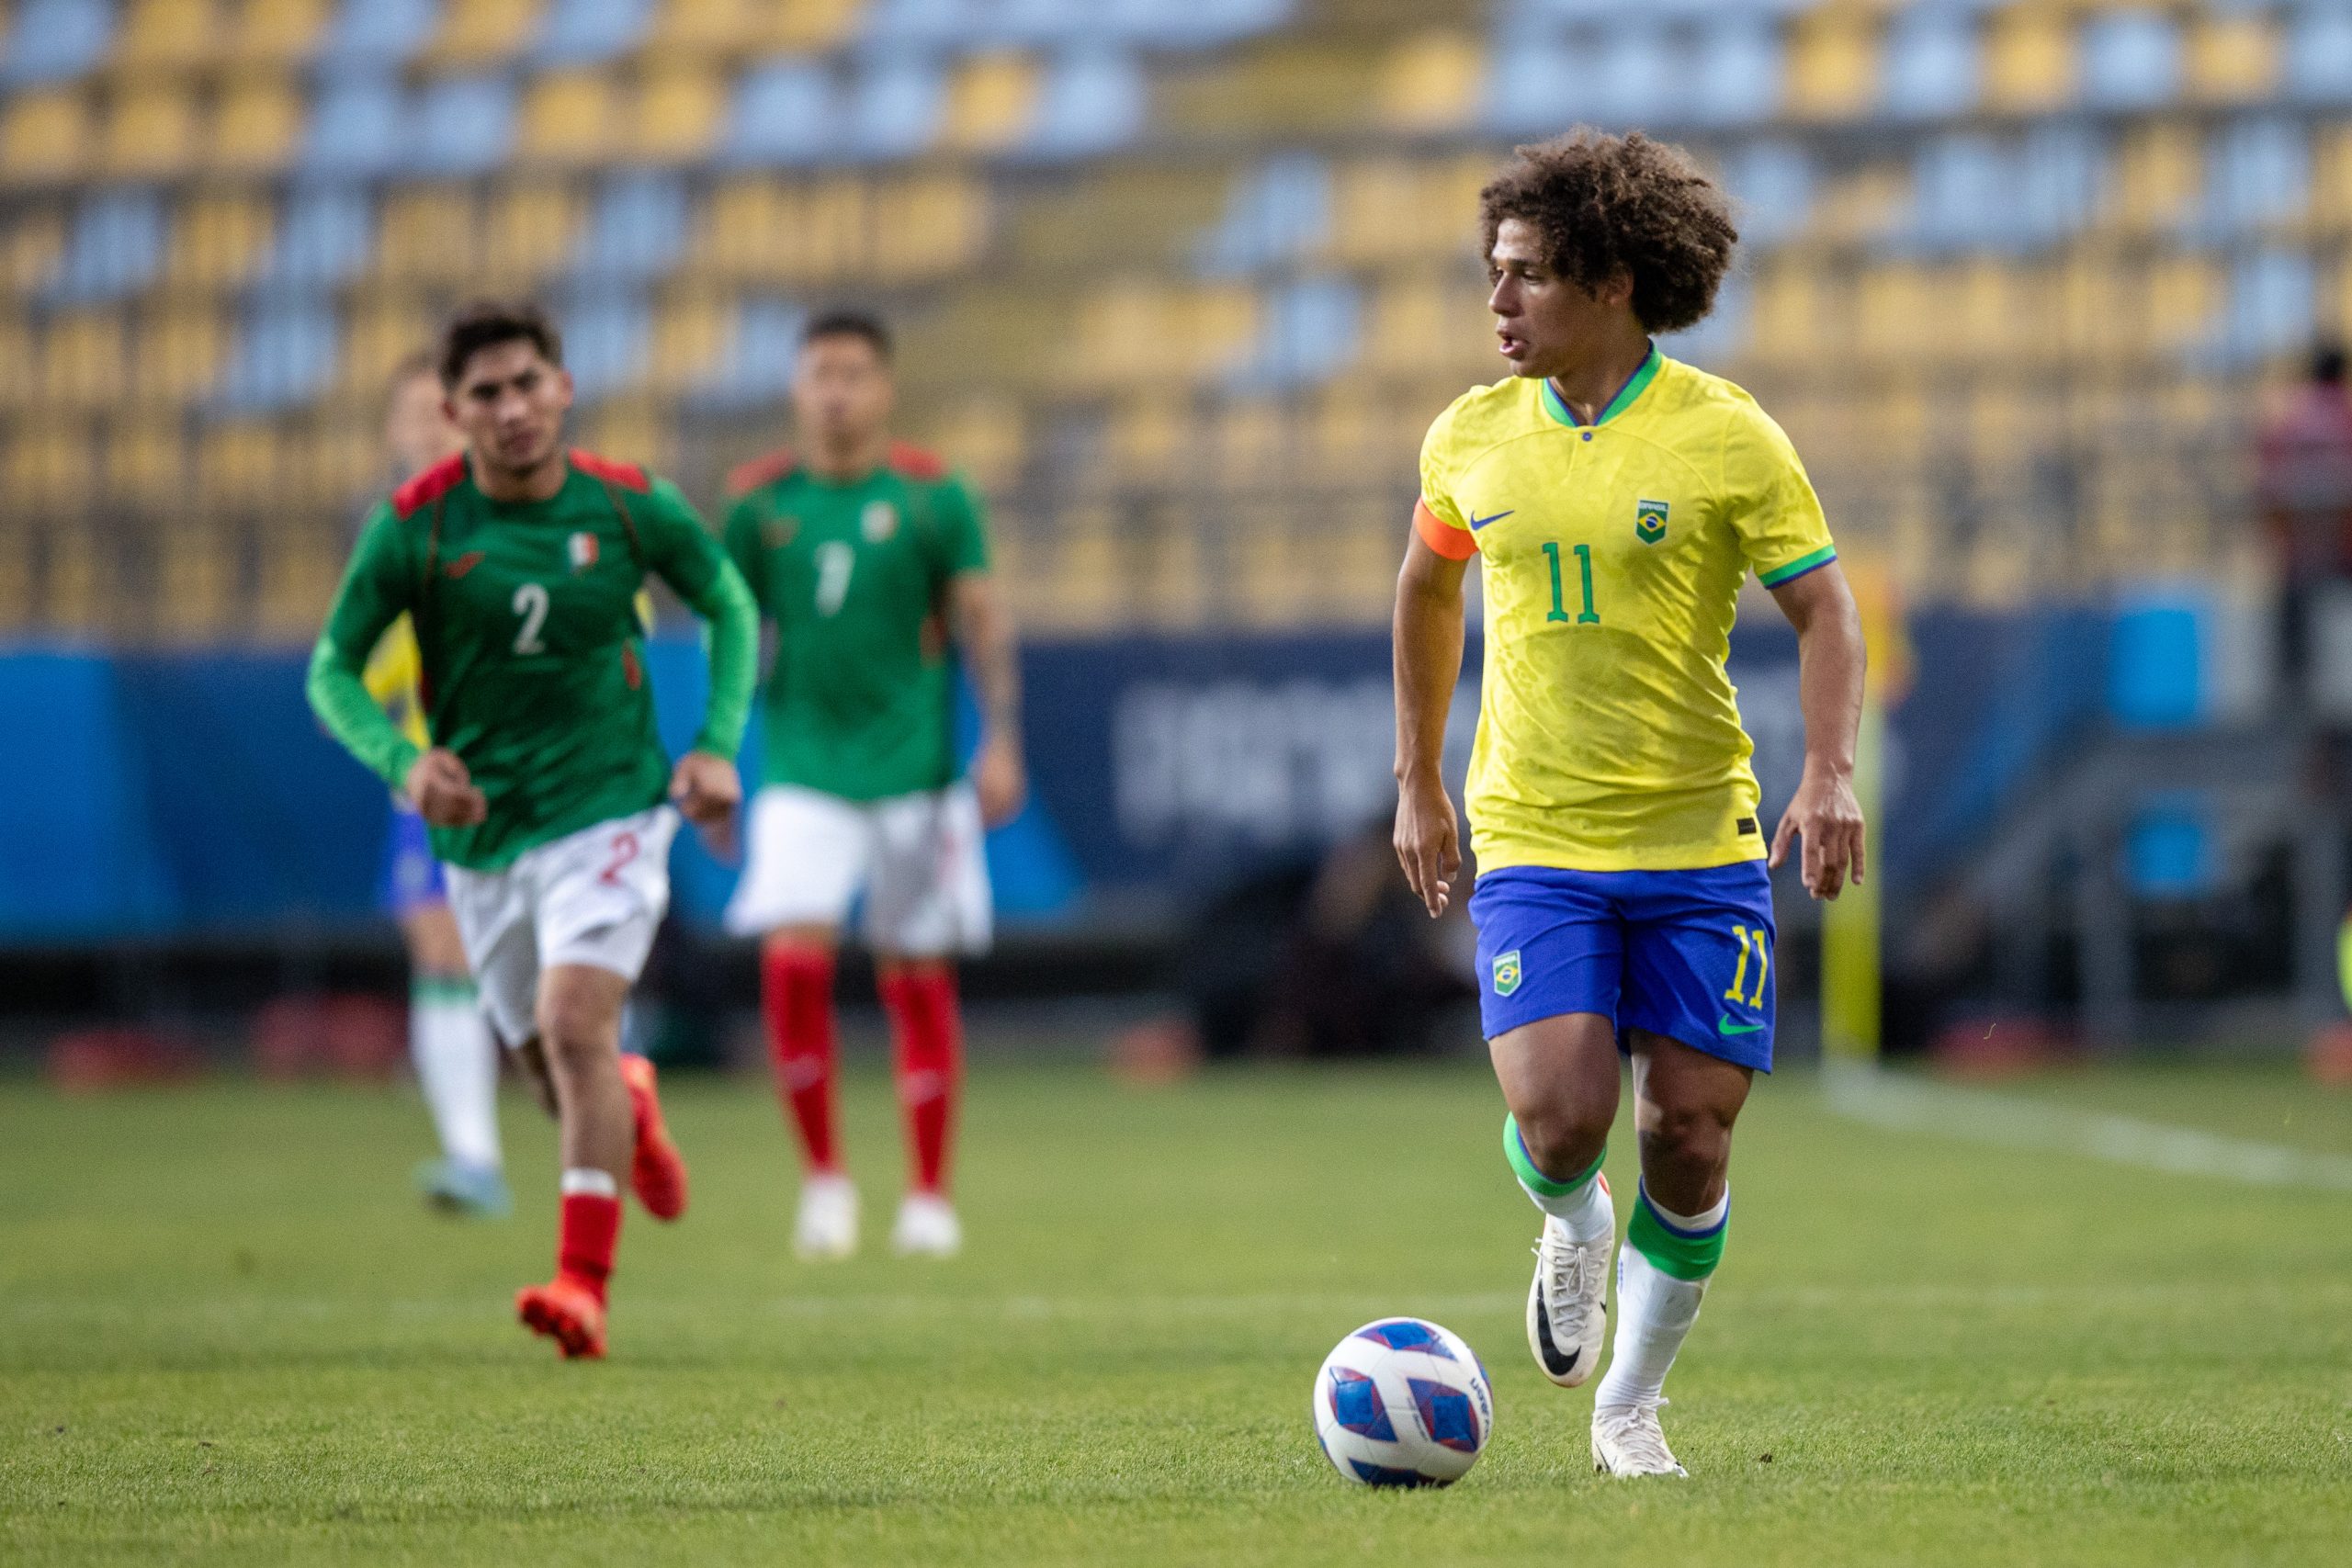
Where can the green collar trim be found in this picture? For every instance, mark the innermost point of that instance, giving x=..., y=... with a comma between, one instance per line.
x=1558, y=407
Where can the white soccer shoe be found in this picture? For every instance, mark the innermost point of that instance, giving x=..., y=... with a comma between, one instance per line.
x=827, y=1229
x=1627, y=1440
x=927, y=1227
x=1567, y=1318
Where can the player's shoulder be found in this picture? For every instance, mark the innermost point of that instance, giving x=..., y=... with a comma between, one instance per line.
x=1483, y=418
x=1711, y=406
x=427, y=486
x=611, y=471
x=767, y=468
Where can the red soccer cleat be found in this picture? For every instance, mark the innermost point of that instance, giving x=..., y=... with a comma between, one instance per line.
x=658, y=1174
x=567, y=1313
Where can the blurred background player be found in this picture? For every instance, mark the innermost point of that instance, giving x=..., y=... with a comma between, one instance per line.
x=457, y=1063
x=547, y=790
x=1615, y=501
x=870, y=558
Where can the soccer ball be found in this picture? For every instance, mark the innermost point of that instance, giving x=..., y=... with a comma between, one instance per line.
x=1403, y=1403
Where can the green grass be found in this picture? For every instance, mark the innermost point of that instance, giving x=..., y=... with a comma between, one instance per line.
x=227, y=1334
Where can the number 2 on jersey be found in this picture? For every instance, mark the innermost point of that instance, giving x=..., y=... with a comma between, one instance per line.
x=1587, y=616
x=835, y=560
x=531, y=604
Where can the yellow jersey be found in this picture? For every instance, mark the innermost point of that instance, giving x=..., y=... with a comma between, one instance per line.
x=1613, y=555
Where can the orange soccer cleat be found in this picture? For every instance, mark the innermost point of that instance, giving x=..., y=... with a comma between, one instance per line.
x=566, y=1311
x=658, y=1174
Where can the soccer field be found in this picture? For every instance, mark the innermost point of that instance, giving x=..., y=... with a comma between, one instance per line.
x=229, y=1333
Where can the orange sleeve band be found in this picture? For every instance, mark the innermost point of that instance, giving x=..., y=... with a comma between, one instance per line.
x=1454, y=544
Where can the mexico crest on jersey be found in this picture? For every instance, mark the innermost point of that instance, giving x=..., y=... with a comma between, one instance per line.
x=1649, y=521
x=878, y=521
x=582, y=548
x=1505, y=972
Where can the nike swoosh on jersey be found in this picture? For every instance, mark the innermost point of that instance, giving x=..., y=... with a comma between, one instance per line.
x=1726, y=1026
x=464, y=564
x=1478, y=522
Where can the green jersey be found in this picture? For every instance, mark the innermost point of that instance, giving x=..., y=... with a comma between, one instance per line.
x=531, y=646
x=859, y=702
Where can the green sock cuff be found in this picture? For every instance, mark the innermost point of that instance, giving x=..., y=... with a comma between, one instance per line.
x=1683, y=1254
x=1522, y=1165
x=2343, y=959
x=426, y=990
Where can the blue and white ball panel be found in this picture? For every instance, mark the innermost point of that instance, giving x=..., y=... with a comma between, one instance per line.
x=1403, y=1403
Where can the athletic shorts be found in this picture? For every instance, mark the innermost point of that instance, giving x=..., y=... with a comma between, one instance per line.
x=593, y=898
x=921, y=859
x=411, y=879
x=1683, y=953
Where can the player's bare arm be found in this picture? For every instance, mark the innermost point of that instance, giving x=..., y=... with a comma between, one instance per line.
x=1428, y=628
x=706, y=789
x=983, y=628
x=443, y=792
x=1824, y=814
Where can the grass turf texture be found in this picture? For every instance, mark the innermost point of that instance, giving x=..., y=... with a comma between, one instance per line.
x=228, y=1332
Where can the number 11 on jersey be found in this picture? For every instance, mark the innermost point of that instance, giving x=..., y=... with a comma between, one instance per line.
x=1587, y=616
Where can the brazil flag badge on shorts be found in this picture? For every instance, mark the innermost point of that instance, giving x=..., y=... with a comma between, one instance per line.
x=1505, y=972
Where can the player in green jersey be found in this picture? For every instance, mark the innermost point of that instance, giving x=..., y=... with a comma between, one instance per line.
x=870, y=558
x=519, y=563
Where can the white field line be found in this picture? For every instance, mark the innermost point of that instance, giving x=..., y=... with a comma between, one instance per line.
x=1904, y=1103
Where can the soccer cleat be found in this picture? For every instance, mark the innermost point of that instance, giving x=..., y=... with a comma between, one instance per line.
x=1567, y=1317
x=476, y=1192
x=827, y=1228
x=566, y=1311
x=1627, y=1440
x=927, y=1227
x=658, y=1173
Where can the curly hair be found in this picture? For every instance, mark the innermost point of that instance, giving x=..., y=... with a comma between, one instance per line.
x=1607, y=204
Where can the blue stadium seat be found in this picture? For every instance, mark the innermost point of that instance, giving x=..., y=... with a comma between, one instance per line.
x=898, y=26
x=895, y=108
x=1735, y=73
x=1932, y=64
x=55, y=40
x=460, y=125
x=2273, y=304
x=1531, y=85
x=1277, y=211
x=115, y=247
x=1772, y=181
x=757, y=365
x=1961, y=187
x=2318, y=51
x=586, y=32
x=784, y=114
x=637, y=229
x=1634, y=80
x=1043, y=23
x=1714, y=342
x=607, y=338
x=1313, y=331
x=324, y=238
x=379, y=33
x=355, y=127
x=2130, y=60
x=2060, y=177
x=1092, y=100
x=1197, y=24
x=284, y=358
x=2257, y=170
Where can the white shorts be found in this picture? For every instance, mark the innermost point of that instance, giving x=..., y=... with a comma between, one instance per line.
x=593, y=898
x=920, y=858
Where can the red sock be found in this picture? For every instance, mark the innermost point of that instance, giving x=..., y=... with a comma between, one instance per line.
x=927, y=1052
x=797, y=998
x=585, y=1239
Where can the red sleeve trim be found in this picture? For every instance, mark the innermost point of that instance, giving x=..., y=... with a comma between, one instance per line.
x=423, y=489
x=744, y=478
x=1454, y=544
x=628, y=476
x=917, y=462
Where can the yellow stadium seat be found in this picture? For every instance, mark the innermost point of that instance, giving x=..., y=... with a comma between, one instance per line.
x=215, y=239
x=2096, y=321
x=17, y=555
x=196, y=584
x=73, y=596
x=2232, y=57
x=16, y=352
x=805, y=26
x=1411, y=324
x=380, y=334
x=1150, y=437
x=927, y=227
x=482, y=32
x=2183, y=294
x=678, y=113
x=81, y=360
x=570, y=118
x=706, y=28
x=238, y=465
x=430, y=234
x=984, y=435
x=177, y=355
x=50, y=467
x=1430, y=83
x=2158, y=173
x=275, y=33
x=168, y=35
x=2331, y=200
x=256, y=125
x=531, y=231
x=1794, y=302
x=29, y=246
x=45, y=136
x=691, y=332
x=1897, y=313
x=2029, y=57
x=1858, y=207
x=635, y=429
x=151, y=134
x=298, y=573
x=830, y=234
x=147, y=463
x=1833, y=63
x=343, y=467
x=990, y=103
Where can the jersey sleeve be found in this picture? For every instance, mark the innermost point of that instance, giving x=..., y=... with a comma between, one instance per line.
x=963, y=539
x=681, y=550
x=743, y=545
x=1771, y=502
x=1436, y=516
x=378, y=588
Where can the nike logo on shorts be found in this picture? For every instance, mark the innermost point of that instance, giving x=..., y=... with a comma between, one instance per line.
x=1723, y=1025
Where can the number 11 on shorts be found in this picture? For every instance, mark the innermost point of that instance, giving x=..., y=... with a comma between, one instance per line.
x=1740, y=977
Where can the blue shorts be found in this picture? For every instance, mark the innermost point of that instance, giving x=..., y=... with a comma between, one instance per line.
x=412, y=877
x=1683, y=953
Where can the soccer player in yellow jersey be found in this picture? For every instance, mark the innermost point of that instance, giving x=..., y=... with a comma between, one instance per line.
x=1615, y=501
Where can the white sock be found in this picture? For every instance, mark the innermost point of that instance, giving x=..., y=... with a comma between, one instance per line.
x=1654, y=1312
x=588, y=1180
x=1586, y=1214
x=457, y=1066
